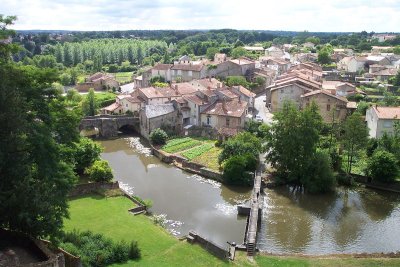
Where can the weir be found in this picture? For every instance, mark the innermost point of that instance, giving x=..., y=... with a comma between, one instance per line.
x=254, y=215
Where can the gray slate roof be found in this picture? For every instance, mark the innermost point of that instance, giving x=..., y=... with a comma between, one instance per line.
x=153, y=111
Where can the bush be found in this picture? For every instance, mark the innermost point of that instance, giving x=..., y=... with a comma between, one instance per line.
x=100, y=171
x=97, y=250
x=86, y=152
x=237, y=169
x=382, y=166
x=158, y=137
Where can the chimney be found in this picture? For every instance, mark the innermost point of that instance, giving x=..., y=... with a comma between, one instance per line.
x=224, y=105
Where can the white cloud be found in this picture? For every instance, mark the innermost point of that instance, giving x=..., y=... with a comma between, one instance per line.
x=311, y=15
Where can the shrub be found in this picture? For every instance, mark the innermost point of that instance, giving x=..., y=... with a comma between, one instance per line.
x=86, y=152
x=134, y=251
x=158, y=137
x=237, y=169
x=382, y=166
x=97, y=250
x=100, y=171
x=320, y=176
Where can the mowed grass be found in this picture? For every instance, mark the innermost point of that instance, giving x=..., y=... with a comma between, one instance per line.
x=123, y=77
x=110, y=216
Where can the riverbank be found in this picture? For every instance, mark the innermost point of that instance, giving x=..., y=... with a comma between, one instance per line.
x=110, y=216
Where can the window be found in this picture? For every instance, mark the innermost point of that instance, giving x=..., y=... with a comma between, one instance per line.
x=190, y=73
x=328, y=107
x=387, y=124
x=208, y=120
x=126, y=105
x=227, y=122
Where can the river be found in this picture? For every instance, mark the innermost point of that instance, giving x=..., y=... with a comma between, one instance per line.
x=347, y=221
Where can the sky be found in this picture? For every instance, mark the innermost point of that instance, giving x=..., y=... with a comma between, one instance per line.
x=287, y=15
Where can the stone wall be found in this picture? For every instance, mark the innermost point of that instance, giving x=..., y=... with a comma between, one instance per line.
x=186, y=165
x=214, y=249
x=83, y=189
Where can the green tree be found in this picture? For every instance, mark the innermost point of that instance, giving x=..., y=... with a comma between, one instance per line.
x=35, y=180
x=131, y=57
x=238, y=52
x=158, y=136
x=211, y=51
x=139, y=55
x=65, y=79
x=293, y=141
x=237, y=169
x=236, y=80
x=84, y=153
x=354, y=138
x=89, y=105
x=396, y=50
x=73, y=96
x=320, y=178
x=240, y=144
x=382, y=166
x=59, y=53
x=68, y=57
x=396, y=80
x=100, y=171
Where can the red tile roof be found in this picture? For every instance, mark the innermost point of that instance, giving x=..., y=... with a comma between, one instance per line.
x=233, y=108
x=387, y=113
x=325, y=92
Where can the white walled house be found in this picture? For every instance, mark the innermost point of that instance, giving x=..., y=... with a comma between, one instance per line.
x=381, y=120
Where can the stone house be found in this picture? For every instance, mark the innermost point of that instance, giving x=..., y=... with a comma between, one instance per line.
x=235, y=67
x=339, y=88
x=188, y=71
x=274, y=52
x=98, y=81
x=225, y=114
x=352, y=64
x=245, y=95
x=381, y=120
x=331, y=107
x=385, y=74
x=219, y=58
x=279, y=65
x=158, y=116
x=162, y=70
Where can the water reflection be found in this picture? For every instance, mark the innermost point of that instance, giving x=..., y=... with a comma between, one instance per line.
x=348, y=220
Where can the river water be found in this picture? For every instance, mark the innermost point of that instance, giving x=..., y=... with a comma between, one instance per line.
x=347, y=221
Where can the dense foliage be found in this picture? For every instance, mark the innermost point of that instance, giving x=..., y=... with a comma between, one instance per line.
x=242, y=143
x=383, y=166
x=293, y=141
x=158, y=136
x=239, y=170
x=99, y=171
x=95, y=250
x=35, y=177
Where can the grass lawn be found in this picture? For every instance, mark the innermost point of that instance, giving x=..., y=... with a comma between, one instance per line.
x=123, y=77
x=110, y=217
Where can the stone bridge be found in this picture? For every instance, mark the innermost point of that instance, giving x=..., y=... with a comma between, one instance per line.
x=109, y=125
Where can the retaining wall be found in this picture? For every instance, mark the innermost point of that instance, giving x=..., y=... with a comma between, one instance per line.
x=186, y=165
x=208, y=245
x=83, y=189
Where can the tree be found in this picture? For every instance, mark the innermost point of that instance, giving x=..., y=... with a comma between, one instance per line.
x=320, y=178
x=100, y=171
x=354, y=138
x=158, y=137
x=35, y=179
x=396, y=80
x=89, y=105
x=139, y=55
x=131, y=57
x=68, y=57
x=324, y=57
x=236, y=80
x=65, y=79
x=396, y=50
x=237, y=169
x=240, y=144
x=211, y=51
x=84, y=153
x=293, y=140
x=238, y=52
x=382, y=166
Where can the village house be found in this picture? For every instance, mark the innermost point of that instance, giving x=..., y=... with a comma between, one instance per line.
x=274, y=52
x=381, y=120
x=304, y=57
x=309, y=45
x=219, y=58
x=384, y=74
x=98, y=81
x=235, y=67
x=266, y=73
x=245, y=95
x=228, y=117
x=158, y=116
x=332, y=108
x=279, y=65
x=352, y=64
x=339, y=88
x=384, y=37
